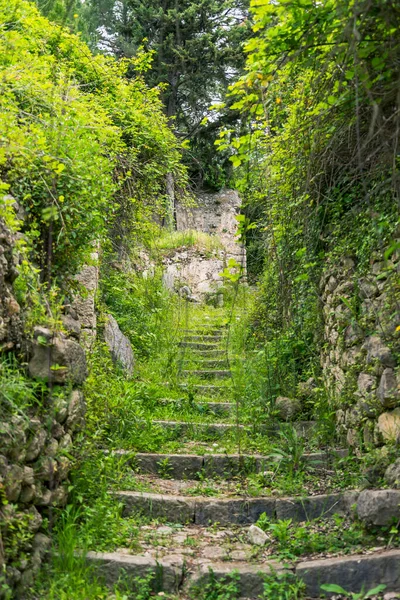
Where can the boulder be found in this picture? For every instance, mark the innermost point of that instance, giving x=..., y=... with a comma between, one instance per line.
x=366, y=383
x=119, y=345
x=59, y=361
x=378, y=507
x=72, y=326
x=388, y=425
x=257, y=536
x=287, y=408
x=392, y=474
x=388, y=390
x=376, y=350
x=76, y=411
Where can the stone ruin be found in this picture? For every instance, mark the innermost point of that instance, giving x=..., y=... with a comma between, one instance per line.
x=195, y=268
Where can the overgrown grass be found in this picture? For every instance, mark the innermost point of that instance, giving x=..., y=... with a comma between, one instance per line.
x=188, y=239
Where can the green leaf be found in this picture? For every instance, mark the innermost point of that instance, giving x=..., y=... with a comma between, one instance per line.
x=331, y=587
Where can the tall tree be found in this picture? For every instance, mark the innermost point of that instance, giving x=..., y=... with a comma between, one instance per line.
x=197, y=53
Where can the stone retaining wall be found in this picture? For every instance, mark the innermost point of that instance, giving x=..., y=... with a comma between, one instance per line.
x=215, y=215
x=360, y=358
x=36, y=440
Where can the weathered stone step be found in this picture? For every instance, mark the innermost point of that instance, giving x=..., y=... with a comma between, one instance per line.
x=202, y=338
x=179, y=573
x=234, y=511
x=212, y=429
x=209, y=364
x=206, y=331
x=199, y=346
x=224, y=466
x=205, y=390
x=303, y=428
x=219, y=409
x=207, y=374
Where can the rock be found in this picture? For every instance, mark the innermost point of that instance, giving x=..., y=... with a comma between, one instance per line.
x=388, y=390
x=376, y=350
x=388, y=425
x=51, y=448
x=60, y=362
x=44, y=333
x=60, y=407
x=392, y=474
x=352, y=335
x=257, y=536
x=287, y=408
x=368, y=289
x=28, y=476
x=72, y=326
x=13, y=482
x=119, y=345
x=35, y=519
x=378, y=507
x=76, y=411
x=36, y=444
x=366, y=383
x=65, y=442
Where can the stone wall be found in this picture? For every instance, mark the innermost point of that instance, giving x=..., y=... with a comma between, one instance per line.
x=360, y=358
x=35, y=440
x=198, y=269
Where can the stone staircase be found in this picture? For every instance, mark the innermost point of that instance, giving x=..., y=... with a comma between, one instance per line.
x=195, y=530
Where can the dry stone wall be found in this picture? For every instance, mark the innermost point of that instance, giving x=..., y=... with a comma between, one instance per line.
x=199, y=269
x=360, y=358
x=36, y=441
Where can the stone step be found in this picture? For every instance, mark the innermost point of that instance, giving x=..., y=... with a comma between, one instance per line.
x=206, y=331
x=202, y=338
x=205, y=390
x=220, y=409
x=179, y=573
x=199, y=346
x=208, y=374
x=209, y=364
x=207, y=511
x=185, y=427
x=303, y=428
x=223, y=466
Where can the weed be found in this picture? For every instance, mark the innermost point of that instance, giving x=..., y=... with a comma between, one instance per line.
x=224, y=588
x=363, y=595
x=283, y=586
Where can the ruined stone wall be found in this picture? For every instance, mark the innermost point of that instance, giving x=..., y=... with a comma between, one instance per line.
x=360, y=358
x=36, y=440
x=213, y=214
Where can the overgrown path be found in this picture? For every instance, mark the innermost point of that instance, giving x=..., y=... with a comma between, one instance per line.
x=243, y=506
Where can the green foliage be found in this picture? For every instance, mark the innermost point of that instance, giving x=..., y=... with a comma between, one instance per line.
x=317, y=165
x=363, y=595
x=291, y=540
x=18, y=392
x=80, y=143
x=224, y=588
x=283, y=586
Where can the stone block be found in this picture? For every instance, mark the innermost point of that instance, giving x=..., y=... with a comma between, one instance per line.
x=61, y=361
x=119, y=345
x=178, y=466
x=113, y=565
x=232, y=510
x=392, y=474
x=314, y=507
x=379, y=507
x=175, y=509
x=388, y=426
x=353, y=573
x=388, y=390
